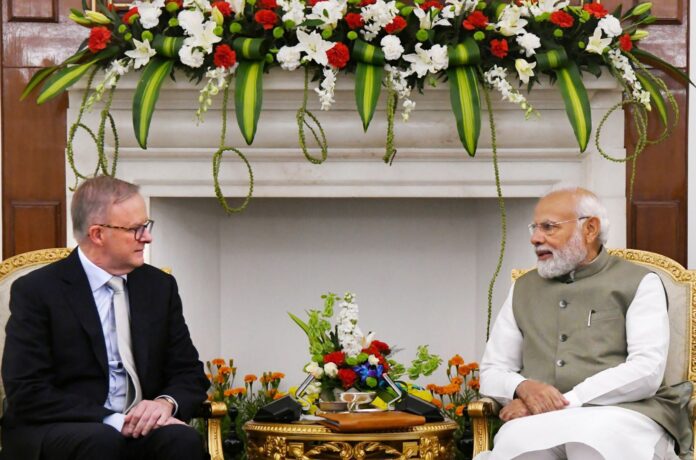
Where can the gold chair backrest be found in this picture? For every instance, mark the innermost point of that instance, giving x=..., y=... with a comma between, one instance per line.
x=680, y=285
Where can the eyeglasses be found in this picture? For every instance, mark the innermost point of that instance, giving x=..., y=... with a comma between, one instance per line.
x=548, y=227
x=138, y=231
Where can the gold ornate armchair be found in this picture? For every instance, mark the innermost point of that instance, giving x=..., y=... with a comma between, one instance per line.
x=680, y=285
x=20, y=265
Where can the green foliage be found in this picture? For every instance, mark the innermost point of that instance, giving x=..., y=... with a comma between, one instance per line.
x=424, y=363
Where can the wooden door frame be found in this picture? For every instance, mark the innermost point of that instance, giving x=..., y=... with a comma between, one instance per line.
x=691, y=147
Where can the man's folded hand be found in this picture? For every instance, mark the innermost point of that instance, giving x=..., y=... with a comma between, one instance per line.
x=515, y=409
x=146, y=416
x=540, y=397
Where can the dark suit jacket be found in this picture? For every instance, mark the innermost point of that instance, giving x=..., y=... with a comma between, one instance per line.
x=54, y=365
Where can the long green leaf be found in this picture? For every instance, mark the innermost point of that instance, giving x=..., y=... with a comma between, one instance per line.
x=248, y=97
x=146, y=95
x=44, y=73
x=368, y=85
x=62, y=80
x=299, y=322
x=577, y=104
x=651, y=59
x=655, y=95
x=466, y=105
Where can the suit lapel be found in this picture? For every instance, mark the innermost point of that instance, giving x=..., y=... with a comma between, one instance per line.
x=81, y=301
x=138, y=301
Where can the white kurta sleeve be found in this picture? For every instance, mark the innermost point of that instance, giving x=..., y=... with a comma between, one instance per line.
x=502, y=359
x=647, y=336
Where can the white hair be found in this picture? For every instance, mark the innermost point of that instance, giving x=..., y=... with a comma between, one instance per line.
x=587, y=205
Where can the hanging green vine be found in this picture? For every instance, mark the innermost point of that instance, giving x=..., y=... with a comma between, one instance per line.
x=217, y=159
x=501, y=206
x=302, y=112
x=390, y=151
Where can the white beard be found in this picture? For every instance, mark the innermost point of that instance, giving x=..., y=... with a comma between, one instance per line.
x=563, y=260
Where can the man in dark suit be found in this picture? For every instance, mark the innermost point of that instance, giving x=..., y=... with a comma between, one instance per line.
x=98, y=361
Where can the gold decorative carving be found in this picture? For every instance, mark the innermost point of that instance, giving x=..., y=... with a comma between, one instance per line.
x=275, y=447
x=27, y=259
x=363, y=449
x=430, y=448
x=215, y=439
x=342, y=449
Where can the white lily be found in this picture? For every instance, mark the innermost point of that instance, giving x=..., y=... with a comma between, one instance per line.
x=429, y=19
x=546, y=6
x=525, y=70
x=329, y=11
x=237, y=6
x=511, y=22
x=142, y=53
x=149, y=12
x=597, y=44
x=454, y=8
x=314, y=46
x=424, y=61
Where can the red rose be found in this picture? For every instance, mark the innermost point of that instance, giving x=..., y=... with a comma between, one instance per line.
x=338, y=55
x=562, y=19
x=397, y=25
x=266, y=18
x=268, y=4
x=347, y=377
x=99, y=37
x=499, y=48
x=224, y=56
x=354, y=20
x=595, y=9
x=367, y=2
x=625, y=42
x=128, y=17
x=336, y=357
x=223, y=7
x=431, y=4
x=476, y=20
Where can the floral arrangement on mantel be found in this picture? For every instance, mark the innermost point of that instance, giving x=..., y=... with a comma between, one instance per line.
x=342, y=357
x=474, y=45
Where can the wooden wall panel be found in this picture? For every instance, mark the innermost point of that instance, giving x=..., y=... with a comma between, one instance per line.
x=653, y=222
x=40, y=223
x=38, y=11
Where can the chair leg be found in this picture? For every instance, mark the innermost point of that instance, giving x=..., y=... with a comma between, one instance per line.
x=217, y=411
x=480, y=412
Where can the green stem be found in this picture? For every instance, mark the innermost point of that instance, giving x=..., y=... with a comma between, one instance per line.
x=302, y=122
x=392, y=98
x=70, y=153
x=501, y=206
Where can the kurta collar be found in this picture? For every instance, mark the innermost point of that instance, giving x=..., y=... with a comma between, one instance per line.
x=588, y=270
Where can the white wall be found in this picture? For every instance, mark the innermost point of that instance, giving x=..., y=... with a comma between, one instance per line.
x=420, y=269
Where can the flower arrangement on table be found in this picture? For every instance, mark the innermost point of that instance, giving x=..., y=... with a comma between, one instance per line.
x=453, y=397
x=342, y=357
x=475, y=45
x=245, y=400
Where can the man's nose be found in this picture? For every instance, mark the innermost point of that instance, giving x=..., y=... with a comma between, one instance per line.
x=537, y=237
x=147, y=237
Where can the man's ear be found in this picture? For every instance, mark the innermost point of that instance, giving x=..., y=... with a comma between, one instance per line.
x=95, y=234
x=592, y=228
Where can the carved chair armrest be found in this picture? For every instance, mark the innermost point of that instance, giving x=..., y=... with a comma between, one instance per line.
x=212, y=413
x=481, y=412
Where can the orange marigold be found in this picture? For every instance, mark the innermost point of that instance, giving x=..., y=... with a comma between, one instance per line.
x=431, y=387
x=473, y=366
x=450, y=389
x=459, y=411
x=229, y=392
x=210, y=376
x=235, y=391
x=225, y=370
x=218, y=362
x=437, y=402
x=277, y=375
x=463, y=370
x=457, y=380
x=456, y=360
x=249, y=378
x=449, y=406
x=474, y=384
x=220, y=378
x=278, y=395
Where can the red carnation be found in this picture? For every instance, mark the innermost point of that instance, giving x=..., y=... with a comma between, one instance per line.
x=397, y=25
x=367, y=2
x=562, y=19
x=431, y=4
x=625, y=43
x=499, y=48
x=595, y=9
x=476, y=20
x=336, y=357
x=338, y=55
x=128, y=17
x=347, y=377
x=224, y=57
x=312, y=2
x=354, y=20
x=268, y=4
x=99, y=37
x=266, y=18
x=223, y=7
x=381, y=347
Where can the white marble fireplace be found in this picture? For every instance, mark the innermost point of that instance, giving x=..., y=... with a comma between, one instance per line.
x=417, y=241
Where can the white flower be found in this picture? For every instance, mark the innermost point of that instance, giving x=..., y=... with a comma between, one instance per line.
x=191, y=21
x=328, y=11
x=294, y=10
x=511, y=22
x=149, y=12
x=117, y=69
x=545, y=6
x=237, y=6
x=326, y=93
x=314, y=46
x=610, y=25
x=391, y=46
x=203, y=5
x=376, y=16
x=372, y=359
x=597, y=44
x=190, y=56
x=142, y=53
x=314, y=369
x=330, y=369
x=524, y=70
x=496, y=77
x=424, y=61
x=428, y=19
x=289, y=57
x=529, y=42
x=454, y=8
x=407, y=106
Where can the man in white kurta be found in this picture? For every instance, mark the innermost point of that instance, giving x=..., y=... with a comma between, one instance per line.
x=569, y=229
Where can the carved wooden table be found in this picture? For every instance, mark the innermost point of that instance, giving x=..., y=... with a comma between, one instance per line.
x=309, y=441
